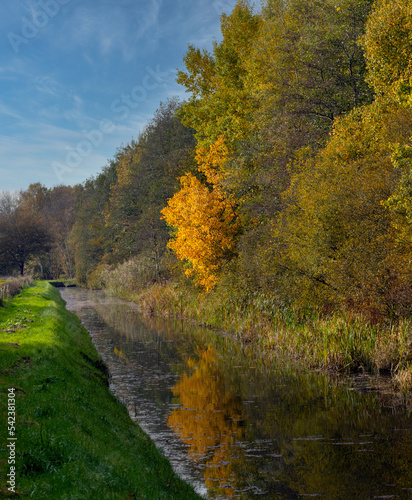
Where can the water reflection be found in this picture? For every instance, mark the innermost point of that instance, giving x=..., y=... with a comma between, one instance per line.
x=238, y=426
x=209, y=420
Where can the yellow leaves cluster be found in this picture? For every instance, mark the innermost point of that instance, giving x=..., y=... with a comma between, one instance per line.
x=388, y=44
x=206, y=225
x=400, y=202
x=212, y=160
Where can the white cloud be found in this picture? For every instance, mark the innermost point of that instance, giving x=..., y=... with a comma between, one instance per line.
x=107, y=27
x=9, y=111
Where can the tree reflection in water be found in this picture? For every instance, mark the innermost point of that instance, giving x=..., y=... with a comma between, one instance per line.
x=253, y=426
x=208, y=420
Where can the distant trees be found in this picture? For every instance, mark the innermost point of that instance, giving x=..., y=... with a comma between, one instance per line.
x=148, y=170
x=119, y=212
x=34, y=230
x=22, y=236
x=60, y=215
x=89, y=238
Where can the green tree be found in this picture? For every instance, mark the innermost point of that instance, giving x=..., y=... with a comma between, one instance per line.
x=335, y=235
x=89, y=239
x=147, y=175
x=219, y=104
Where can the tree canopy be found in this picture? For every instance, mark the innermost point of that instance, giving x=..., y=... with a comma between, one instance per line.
x=286, y=171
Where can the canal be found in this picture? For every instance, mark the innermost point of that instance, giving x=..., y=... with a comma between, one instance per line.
x=236, y=425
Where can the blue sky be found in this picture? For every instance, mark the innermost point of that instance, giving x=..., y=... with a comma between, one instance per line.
x=79, y=78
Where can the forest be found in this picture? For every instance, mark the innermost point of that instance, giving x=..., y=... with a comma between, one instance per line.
x=283, y=181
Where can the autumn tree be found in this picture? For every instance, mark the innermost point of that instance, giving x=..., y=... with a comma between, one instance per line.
x=203, y=213
x=22, y=236
x=34, y=198
x=335, y=235
x=148, y=170
x=205, y=229
x=388, y=45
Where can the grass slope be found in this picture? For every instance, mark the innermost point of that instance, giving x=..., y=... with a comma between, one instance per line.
x=74, y=439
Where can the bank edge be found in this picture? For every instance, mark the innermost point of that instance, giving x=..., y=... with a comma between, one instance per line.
x=74, y=439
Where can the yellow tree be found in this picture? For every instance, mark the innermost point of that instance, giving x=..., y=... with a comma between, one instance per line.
x=205, y=225
x=203, y=214
x=388, y=44
x=336, y=232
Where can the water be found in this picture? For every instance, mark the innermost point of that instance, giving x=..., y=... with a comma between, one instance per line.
x=237, y=426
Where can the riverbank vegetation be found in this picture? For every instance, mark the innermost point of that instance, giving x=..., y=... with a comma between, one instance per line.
x=74, y=439
x=275, y=201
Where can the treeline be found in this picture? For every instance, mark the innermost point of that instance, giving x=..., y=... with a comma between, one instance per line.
x=286, y=173
x=35, y=226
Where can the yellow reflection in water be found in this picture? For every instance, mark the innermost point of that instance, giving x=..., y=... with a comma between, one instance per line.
x=118, y=352
x=208, y=420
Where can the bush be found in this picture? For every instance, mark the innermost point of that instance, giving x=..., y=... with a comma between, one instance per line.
x=128, y=278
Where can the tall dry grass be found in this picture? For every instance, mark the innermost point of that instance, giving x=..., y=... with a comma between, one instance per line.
x=342, y=341
x=11, y=286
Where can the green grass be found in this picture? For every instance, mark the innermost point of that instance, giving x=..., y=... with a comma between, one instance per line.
x=74, y=439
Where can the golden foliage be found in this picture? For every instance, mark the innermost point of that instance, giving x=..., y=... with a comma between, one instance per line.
x=336, y=231
x=206, y=225
x=388, y=44
x=212, y=160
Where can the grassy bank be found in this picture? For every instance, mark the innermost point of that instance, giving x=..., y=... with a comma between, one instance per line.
x=340, y=341
x=74, y=439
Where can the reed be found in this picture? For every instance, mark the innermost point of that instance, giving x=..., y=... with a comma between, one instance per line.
x=341, y=340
